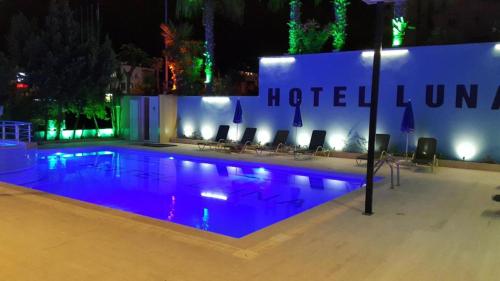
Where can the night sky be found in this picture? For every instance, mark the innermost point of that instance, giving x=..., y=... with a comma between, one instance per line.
x=237, y=45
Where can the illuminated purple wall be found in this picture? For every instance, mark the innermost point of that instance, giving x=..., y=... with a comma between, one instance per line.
x=455, y=91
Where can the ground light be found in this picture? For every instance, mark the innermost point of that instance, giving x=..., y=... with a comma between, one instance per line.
x=466, y=151
x=214, y=195
x=188, y=130
x=207, y=132
x=303, y=139
x=263, y=137
x=337, y=142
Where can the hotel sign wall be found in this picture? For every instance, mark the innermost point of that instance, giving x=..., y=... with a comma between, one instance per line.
x=455, y=93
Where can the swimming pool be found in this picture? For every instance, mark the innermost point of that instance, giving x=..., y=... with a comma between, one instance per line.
x=226, y=197
x=16, y=156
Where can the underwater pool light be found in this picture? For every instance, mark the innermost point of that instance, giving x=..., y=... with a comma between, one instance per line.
x=213, y=195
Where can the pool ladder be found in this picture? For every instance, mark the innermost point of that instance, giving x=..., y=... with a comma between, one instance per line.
x=391, y=162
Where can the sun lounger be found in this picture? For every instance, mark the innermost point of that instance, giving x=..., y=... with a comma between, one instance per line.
x=426, y=153
x=316, y=146
x=246, y=141
x=219, y=139
x=381, y=147
x=278, y=144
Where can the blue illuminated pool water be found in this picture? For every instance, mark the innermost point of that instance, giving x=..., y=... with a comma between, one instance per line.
x=225, y=197
x=7, y=144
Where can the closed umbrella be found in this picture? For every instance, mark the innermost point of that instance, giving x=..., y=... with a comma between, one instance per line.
x=408, y=123
x=238, y=116
x=297, y=120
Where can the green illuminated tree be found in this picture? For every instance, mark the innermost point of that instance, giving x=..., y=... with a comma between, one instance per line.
x=66, y=57
x=338, y=29
x=399, y=23
x=27, y=52
x=295, y=23
x=313, y=37
x=185, y=57
x=67, y=66
x=232, y=9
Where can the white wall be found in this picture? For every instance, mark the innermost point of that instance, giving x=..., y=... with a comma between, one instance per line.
x=468, y=131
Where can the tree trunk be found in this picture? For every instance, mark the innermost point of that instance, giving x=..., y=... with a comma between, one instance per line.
x=96, y=125
x=75, y=127
x=59, y=120
x=208, y=24
x=399, y=9
x=128, y=76
x=45, y=136
x=294, y=27
x=165, y=20
x=83, y=130
x=115, y=119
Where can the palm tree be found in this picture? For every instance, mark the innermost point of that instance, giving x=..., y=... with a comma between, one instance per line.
x=233, y=9
x=338, y=29
x=295, y=21
x=294, y=24
x=399, y=23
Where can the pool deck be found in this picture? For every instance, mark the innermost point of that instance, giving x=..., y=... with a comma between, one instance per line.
x=441, y=226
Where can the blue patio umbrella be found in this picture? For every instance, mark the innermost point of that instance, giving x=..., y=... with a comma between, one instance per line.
x=408, y=123
x=238, y=116
x=297, y=120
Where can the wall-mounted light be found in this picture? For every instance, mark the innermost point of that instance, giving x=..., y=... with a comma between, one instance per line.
x=277, y=60
x=21, y=76
x=497, y=47
x=108, y=97
x=466, y=150
x=213, y=195
x=387, y=53
x=216, y=100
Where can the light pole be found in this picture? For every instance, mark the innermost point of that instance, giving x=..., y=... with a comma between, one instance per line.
x=377, y=57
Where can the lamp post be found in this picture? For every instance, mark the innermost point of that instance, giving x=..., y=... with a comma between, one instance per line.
x=379, y=35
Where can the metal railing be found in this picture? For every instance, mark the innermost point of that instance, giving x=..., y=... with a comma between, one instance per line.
x=15, y=131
